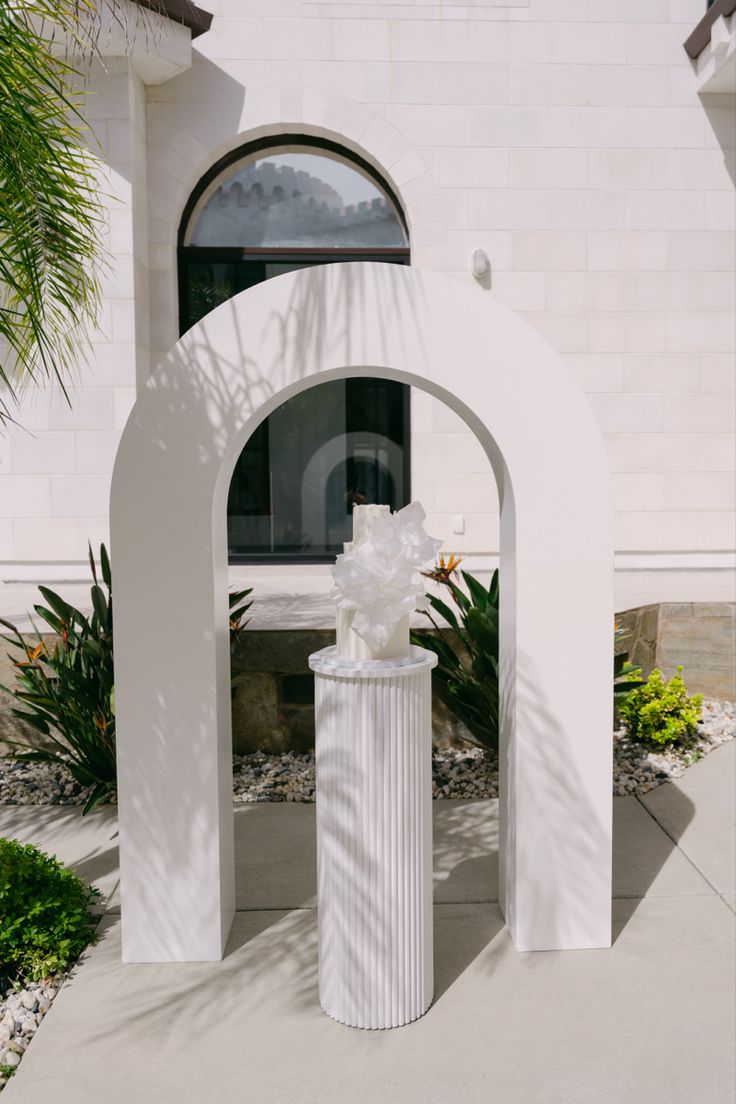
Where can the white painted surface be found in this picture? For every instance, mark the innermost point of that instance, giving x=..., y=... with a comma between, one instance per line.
x=169, y=490
x=300, y=598
x=566, y=140
x=374, y=837
x=716, y=66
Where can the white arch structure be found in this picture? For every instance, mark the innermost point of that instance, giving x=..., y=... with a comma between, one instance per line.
x=169, y=547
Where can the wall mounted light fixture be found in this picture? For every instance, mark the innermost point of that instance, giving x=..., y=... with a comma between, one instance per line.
x=480, y=264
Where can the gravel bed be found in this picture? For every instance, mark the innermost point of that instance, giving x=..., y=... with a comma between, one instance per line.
x=37, y=784
x=466, y=772
x=457, y=772
x=638, y=769
x=21, y=1011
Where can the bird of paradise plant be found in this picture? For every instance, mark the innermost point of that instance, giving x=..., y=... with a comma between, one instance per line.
x=466, y=675
x=66, y=691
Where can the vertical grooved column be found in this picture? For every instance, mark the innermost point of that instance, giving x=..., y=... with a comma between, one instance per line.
x=374, y=837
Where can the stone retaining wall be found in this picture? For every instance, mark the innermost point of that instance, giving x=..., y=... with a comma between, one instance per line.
x=273, y=694
x=699, y=636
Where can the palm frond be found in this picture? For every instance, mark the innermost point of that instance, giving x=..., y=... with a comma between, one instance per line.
x=50, y=212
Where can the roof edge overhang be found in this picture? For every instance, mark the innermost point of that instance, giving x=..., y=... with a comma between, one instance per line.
x=697, y=41
x=197, y=20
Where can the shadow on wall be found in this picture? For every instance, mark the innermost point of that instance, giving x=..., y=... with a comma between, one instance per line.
x=721, y=114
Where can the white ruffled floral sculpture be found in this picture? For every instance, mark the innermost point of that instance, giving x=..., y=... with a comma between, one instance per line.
x=378, y=582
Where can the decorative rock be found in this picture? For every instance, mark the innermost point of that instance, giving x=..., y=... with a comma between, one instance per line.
x=21, y=1012
x=465, y=772
x=28, y=1000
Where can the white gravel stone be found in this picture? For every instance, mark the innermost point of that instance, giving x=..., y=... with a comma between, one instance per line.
x=29, y=1000
x=19, y=1019
x=466, y=772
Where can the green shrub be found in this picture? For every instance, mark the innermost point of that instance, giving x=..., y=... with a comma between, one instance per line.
x=466, y=681
x=661, y=712
x=45, y=918
x=68, y=694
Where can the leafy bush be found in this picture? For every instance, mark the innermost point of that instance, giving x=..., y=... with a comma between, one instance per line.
x=68, y=694
x=467, y=682
x=45, y=918
x=661, y=712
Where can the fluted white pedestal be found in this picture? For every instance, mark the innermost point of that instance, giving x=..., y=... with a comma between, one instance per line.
x=374, y=837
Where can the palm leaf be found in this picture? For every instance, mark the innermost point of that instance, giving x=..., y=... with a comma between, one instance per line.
x=50, y=209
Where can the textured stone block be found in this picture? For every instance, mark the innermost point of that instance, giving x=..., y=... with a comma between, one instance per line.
x=698, y=636
x=255, y=714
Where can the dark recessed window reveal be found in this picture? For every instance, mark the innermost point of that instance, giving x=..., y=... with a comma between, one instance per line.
x=267, y=209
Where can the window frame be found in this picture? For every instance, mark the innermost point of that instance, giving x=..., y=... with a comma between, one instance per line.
x=185, y=254
x=273, y=144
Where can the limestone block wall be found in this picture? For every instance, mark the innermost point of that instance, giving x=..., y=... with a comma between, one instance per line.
x=565, y=138
x=699, y=636
x=55, y=465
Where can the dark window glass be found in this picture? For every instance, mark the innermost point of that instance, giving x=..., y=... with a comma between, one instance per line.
x=322, y=452
x=295, y=198
x=339, y=443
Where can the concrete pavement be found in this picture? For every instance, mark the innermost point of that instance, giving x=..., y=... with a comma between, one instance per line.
x=652, y=1019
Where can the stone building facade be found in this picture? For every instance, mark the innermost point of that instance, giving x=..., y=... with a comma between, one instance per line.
x=575, y=143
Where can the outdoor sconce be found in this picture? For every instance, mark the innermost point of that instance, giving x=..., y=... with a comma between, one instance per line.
x=480, y=264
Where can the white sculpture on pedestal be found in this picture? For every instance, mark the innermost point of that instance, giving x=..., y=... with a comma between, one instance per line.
x=377, y=581
x=373, y=702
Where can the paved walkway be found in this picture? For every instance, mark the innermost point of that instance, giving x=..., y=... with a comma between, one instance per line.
x=650, y=1020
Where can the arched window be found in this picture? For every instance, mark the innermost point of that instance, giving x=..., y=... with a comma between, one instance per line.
x=266, y=209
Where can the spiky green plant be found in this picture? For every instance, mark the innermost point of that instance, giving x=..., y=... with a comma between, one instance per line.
x=466, y=675
x=466, y=679
x=67, y=692
x=50, y=210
